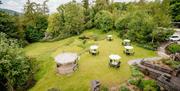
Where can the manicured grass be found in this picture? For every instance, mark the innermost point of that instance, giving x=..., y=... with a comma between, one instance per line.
x=90, y=67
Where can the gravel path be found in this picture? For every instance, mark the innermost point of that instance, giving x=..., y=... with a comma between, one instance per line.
x=161, y=50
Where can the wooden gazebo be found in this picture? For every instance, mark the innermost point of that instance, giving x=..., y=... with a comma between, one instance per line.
x=66, y=62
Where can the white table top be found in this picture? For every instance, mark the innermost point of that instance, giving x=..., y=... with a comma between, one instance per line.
x=65, y=58
x=109, y=35
x=126, y=40
x=114, y=57
x=128, y=47
x=94, y=47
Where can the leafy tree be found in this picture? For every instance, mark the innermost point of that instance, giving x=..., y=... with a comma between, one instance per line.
x=161, y=13
x=161, y=34
x=85, y=4
x=138, y=26
x=141, y=2
x=55, y=25
x=13, y=27
x=73, y=16
x=175, y=10
x=141, y=26
x=141, y=22
x=87, y=10
x=119, y=6
x=35, y=30
x=45, y=8
x=101, y=5
x=35, y=20
x=121, y=24
x=15, y=67
x=7, y=25
x=104, y=21
x=69, y=21
x=158, y=9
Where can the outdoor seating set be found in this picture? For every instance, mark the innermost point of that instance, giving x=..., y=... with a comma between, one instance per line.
x=128, y=48
x=114, y=59
x=109, y=37
x=67, y=62
x=94, y=50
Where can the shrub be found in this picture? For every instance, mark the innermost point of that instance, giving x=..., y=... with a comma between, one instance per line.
x=134, y=81
x=140, y=83
x=173, y=48
x=171, y=63
x=149, y=88
x=136, y=72
x=33, y=34
x=145, y=84
x=16, y=70
x=149, y=46
x=124, y=88
x=104, y=21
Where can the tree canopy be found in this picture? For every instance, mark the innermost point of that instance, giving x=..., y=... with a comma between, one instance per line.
x=35, y=20
x=104, y=20
x=68, y=21
x=175, y=10
x=8, y=25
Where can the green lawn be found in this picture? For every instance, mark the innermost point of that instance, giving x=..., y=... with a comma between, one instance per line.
x=90, y=67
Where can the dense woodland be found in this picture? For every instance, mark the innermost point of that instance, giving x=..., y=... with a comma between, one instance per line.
x=142, y=22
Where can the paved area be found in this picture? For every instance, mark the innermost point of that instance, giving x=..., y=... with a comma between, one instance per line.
x=161, y=50
x=137, y=61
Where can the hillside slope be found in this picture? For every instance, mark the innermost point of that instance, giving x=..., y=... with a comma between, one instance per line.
x=90, y=67
x=10, y=12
